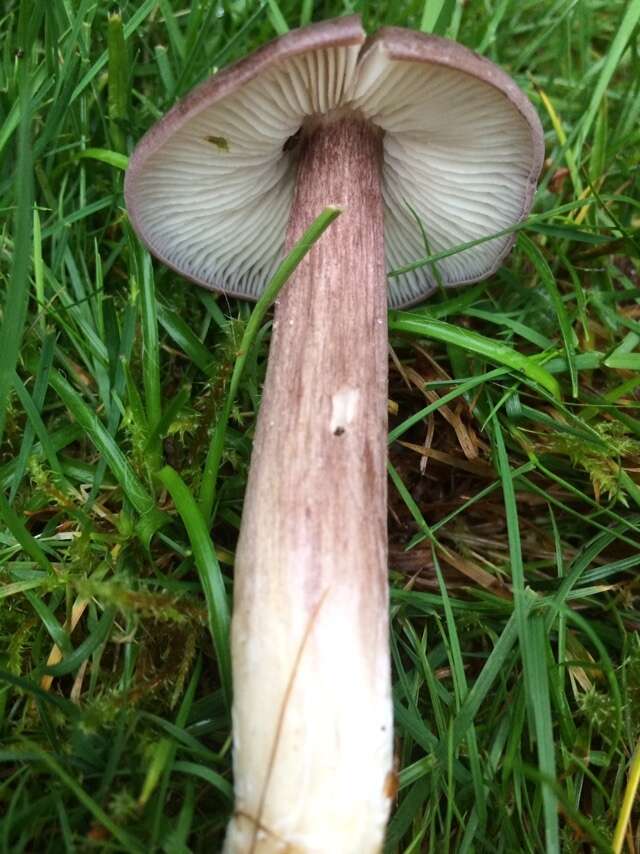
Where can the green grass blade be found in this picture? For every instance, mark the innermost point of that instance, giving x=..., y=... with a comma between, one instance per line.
x=130, y=27
x=104, y=442
x=150, y=352
x=81, y=653
x=15, y=303
x=22, y=536
x=105, y=155
x=277, y=19
x=209, y=776
x=436, y=15
x=419, y=324
x=208, y=569
x=532, y=640
x=616, y=49
x=548, y=280
x=118, y=72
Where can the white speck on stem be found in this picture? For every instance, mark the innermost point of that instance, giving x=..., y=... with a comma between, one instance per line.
x=344, y=405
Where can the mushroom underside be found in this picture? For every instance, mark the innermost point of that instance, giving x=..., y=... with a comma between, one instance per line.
x=214, y=199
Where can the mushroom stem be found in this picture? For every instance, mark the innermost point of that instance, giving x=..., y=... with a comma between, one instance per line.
x=312, y=706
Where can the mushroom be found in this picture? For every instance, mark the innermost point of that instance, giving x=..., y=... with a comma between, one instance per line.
x=421, y=143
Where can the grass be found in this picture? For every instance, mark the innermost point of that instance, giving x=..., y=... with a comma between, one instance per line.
x=514, y=456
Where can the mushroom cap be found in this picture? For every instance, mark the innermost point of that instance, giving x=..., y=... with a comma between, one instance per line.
x=210, y=186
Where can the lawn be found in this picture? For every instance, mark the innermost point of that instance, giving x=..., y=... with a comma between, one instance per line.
x=514, y=490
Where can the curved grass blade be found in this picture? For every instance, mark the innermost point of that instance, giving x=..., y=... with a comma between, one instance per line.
x=212, y=777
x=17, y=293
x=208, y=569
x=548, y=280
x=82, y=652
x=420, y=324
x=104, y=442
x=106, y=155
x=22, y=536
